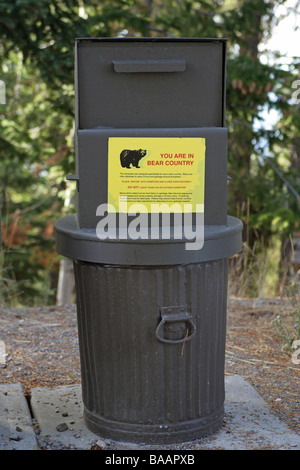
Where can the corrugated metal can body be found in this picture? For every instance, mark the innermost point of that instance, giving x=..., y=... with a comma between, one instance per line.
x=152, y=347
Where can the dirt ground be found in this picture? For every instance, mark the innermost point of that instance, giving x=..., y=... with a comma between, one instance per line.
x=41, y=349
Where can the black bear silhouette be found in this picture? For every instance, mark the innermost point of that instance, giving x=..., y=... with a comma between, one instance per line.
x=131, y=157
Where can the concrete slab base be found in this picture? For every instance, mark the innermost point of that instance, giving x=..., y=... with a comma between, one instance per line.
x=58, y=412
x=248, y=423
x=16, y=430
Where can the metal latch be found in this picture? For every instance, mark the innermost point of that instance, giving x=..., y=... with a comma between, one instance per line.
x=176, y=326
x=74, y=178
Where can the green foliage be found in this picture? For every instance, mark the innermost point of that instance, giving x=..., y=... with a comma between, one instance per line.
x=44, y=32
x=187, y=18
x=37, y=125
x=37, y=122
x=36, y=149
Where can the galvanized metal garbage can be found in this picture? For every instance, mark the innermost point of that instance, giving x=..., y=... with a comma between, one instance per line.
x=151, y=309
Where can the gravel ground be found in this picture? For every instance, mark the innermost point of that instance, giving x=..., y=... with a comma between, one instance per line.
x=41, y=347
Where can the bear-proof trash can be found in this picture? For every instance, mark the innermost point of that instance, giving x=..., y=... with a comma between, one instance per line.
x=151, y=236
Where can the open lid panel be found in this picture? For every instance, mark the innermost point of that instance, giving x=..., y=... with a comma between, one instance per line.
x=153, y=82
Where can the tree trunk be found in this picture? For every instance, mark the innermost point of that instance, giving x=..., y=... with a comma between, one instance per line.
x=65, y=288
x=66, y=281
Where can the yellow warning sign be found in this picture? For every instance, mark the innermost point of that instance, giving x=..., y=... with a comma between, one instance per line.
x=156, y=170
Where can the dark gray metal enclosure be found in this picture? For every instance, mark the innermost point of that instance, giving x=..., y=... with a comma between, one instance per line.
x=151, y=314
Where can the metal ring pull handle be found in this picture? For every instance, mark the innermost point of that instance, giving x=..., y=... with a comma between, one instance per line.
x=171, y=315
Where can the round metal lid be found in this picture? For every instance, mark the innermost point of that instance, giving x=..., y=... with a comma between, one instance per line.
x=220, y=241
